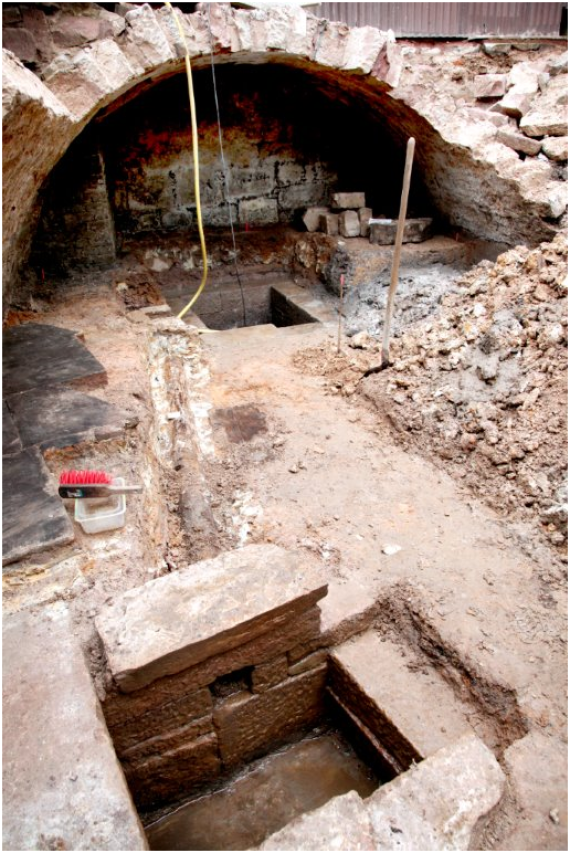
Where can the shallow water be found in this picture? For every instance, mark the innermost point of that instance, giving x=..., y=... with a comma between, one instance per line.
x=262, y=800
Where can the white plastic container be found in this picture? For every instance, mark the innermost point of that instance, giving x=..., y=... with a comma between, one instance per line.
x=97, y=515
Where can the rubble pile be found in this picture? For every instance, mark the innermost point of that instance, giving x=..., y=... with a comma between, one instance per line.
x=534, y=95
x=482, y=383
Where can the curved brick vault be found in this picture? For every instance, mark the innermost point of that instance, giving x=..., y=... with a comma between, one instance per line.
x=474, y=182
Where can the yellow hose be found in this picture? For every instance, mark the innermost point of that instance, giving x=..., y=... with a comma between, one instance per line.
x=196, y=165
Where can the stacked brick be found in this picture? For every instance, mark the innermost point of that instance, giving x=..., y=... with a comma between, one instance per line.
x=209, y=669
x=347, y=216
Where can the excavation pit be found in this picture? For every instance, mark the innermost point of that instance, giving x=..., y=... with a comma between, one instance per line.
x=229, y=304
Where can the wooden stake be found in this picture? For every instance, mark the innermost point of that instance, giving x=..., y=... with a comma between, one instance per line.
x=340, y=305
x=397, y=252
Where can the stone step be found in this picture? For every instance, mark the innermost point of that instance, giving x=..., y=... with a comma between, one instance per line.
x=408, y=708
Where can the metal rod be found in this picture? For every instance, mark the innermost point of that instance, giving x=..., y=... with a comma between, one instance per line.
x=397, y=251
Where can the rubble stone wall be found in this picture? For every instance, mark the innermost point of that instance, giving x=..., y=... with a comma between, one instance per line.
x=81, y=58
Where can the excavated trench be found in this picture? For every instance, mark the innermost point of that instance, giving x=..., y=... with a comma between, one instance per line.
x=118, y=213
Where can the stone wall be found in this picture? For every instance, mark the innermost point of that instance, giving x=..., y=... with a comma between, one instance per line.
x=277, y=161
x=208, y=669
x=282, y=156
x=76, y=228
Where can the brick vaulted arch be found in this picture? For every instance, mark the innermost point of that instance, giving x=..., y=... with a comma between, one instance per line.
x=478, y=183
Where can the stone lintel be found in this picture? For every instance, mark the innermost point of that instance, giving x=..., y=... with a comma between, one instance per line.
x=177, y=621
x=124, y=709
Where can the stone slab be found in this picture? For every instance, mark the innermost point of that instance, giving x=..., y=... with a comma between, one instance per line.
x=126, y=707
x=309, y=662
x=537, y=768
x=177, y=621
x=363, y=741
x=489, y=86
x=312, y=217
x=267, y=675
x=249, y=725
x=21, y=42
x=556, y=148
x=348, y=201
x=559, y=65
x=375, y=679
x=546, y=123
x=59, y=416
x=525, y=76
x=518, y=141
x=156, y=746
x=514, y=104
x=258, y=211
x=496, y=48
x=63, y=785
x=10, y=437
x=349, y=224
x=75, y=30
x=365, y=215
x=301, y=302
x=37, y=355
x=175, y=774
x=328, y=224
x=441, y=803
x=159, y=721
x=33, y=516
x=341, y=824
x=383, y=231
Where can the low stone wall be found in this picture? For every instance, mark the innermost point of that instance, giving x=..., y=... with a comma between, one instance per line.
x=206, y=669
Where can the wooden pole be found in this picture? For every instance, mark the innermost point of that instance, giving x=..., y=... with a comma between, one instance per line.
x=397, y=251
x=340, y=306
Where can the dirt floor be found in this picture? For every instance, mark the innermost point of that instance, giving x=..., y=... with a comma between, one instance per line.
x=436, y=483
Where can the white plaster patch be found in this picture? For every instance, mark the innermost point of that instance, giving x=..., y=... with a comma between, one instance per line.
x=244, y=515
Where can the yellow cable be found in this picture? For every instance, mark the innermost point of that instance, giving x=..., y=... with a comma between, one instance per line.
x=196, y=165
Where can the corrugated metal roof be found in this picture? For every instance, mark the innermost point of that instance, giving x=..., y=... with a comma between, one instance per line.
x=450, y=19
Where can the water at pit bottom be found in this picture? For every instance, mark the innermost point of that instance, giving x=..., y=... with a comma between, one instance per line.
x=262, y=800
